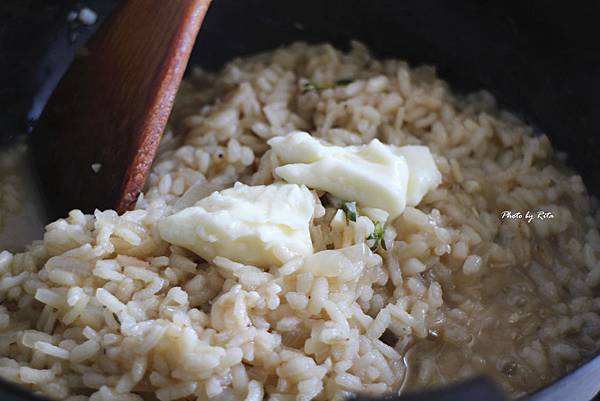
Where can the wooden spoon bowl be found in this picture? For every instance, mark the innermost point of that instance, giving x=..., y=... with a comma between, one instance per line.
x=100, y=130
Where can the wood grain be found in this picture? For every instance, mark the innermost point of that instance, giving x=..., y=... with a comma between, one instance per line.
x=111, y=107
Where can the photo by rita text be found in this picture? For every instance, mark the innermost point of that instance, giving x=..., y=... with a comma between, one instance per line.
x=528, y=215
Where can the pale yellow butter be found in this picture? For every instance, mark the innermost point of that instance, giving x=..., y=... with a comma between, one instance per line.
x=423, y=175
x=261, y=225
x=374, y=175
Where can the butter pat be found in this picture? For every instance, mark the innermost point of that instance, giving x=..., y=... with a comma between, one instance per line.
x=423, y=174
x=374, y=175
x=263, y=225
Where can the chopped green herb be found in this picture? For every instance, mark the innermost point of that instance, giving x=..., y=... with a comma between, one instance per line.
x=350, y=209
x=116, y=318
x=375, y=239
x=310, y=86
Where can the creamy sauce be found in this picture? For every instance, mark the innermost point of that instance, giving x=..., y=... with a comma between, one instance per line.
x=489, y=321
x=27, y=223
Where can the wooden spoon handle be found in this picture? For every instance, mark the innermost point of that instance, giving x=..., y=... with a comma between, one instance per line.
x=98, y=135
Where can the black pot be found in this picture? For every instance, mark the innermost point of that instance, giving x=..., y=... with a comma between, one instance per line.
x=540, y=59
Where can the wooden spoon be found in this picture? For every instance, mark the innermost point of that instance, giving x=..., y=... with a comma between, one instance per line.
x=99, y=132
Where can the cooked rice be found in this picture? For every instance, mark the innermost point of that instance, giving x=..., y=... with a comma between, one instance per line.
x=103, y=309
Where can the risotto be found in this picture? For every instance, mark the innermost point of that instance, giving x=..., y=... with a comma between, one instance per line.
x=495, y=271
